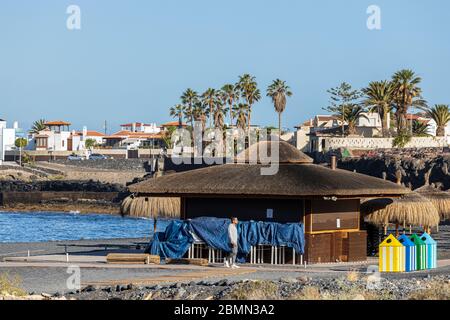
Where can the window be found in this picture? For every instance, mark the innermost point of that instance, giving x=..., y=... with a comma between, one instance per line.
x=41, y=142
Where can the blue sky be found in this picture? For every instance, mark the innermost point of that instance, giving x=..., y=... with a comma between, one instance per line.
x=132, y=59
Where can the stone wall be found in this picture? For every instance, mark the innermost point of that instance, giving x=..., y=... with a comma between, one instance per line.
x=60, y=186
x=382, y=143
x=43, y=155
x=139, y=165
x=10, y=198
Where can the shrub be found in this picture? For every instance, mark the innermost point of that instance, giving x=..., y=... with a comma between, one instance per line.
x=11, y=286
x=436, y=290
x=401, y=140
x=255, y=290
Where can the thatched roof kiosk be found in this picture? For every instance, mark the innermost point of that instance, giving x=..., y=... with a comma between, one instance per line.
x=412, y=209
x=326, y=200
x=151, y=207
x=296, y=178
x=439, y=198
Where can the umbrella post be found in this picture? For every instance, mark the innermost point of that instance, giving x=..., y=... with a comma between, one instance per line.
x=396, y=230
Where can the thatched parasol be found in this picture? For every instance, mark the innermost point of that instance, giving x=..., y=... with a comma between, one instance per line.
x=439, y=198
x=151, y=207
x=411, y=209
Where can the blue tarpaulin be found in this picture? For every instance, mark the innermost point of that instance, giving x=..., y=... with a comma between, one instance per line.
x=175, y=241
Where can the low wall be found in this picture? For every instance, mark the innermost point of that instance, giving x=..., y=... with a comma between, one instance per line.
x=138, y=165
x=8, y=198
x=59, y=186
x=13, y=155
x=382, y=143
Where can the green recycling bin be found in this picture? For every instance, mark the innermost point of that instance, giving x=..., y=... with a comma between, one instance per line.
x=421, y=252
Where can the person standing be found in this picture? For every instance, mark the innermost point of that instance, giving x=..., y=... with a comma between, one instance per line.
x=230, y=260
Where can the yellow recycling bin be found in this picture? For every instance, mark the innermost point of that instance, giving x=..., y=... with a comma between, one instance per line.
x=392, y=255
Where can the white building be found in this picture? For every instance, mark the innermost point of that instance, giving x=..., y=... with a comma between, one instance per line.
x=58, y=137
x=372, y=119
x=7, y=138
x=77, y=140
x=140, y=127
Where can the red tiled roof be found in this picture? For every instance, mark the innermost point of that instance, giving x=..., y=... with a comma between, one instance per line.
x=326, y=118
x=138, y=124
x=413, y=117
x=123, y=134
x=92, y=133
x=173, y=124
x=57, y=123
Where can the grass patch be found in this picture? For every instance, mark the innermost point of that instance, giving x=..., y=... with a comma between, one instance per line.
x=56, y=177
x=11, y=285
x=435, y=290
x=255, y=290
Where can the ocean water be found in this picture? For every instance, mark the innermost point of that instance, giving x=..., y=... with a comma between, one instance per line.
x=45, y=226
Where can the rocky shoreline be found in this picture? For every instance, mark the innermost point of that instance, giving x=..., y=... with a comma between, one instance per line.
x=351, y=287
x=86, y=208
x=414, y=166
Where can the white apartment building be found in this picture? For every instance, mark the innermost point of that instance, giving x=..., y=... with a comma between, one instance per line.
x=7, y=138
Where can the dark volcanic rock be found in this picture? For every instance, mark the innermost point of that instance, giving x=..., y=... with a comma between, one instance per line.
x=60, y=185
x=413, y=165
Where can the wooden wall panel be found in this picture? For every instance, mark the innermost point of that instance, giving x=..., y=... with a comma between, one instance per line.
x=284, y=210
x=357, y=246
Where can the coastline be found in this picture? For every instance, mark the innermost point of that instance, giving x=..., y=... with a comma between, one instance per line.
x=63, y=208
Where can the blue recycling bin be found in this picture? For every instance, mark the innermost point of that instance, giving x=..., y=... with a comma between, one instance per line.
x=430, y=251
x=410, y=255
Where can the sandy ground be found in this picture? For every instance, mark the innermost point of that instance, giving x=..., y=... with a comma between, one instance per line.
x=11, y=174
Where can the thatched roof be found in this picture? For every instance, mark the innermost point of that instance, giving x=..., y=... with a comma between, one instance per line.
x=292, y=180
x=151, y=207
x=439, y=198
x=287, y=153
x=412, y=209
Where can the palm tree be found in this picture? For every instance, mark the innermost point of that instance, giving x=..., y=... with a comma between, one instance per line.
x=278, y=91
x=210, y=98
x=249, y=91
x=38, y=126
x=200, y=113
x=407, y=94
x=240, y=113
x=351, y=114
x=230, y=94
x=90, y=143
x=440, y=113
x=379, y=98
x=219, y=117
x=420, y=129
x=177, y=112
x=189, y=98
